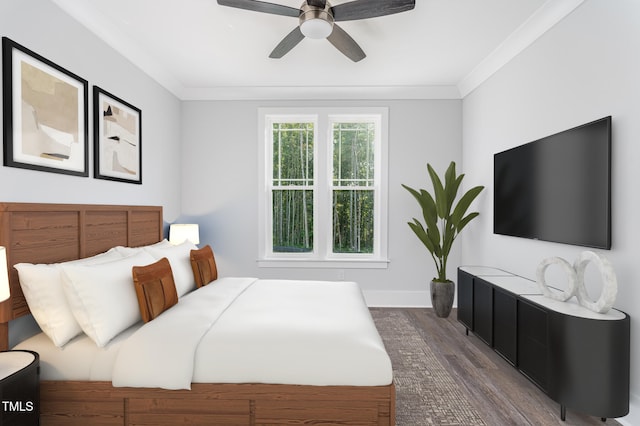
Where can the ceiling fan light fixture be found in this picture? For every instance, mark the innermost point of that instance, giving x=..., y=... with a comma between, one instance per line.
x=316, y=22
x=316, y=28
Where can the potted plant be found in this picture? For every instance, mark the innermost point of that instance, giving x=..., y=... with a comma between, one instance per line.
x=443, y=221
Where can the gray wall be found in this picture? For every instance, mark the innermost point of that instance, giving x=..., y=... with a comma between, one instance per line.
x=583, y=69
x=45, y=29
x=220, y=189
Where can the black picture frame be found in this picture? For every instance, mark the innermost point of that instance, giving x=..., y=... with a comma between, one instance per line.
x=45, y=113
x=117, y=138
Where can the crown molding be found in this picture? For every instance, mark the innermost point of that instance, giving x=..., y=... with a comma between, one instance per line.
x=545, y=18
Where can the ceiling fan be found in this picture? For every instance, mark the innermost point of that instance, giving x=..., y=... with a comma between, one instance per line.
x=317, y=19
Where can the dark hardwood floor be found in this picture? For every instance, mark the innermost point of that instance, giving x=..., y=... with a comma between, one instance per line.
x=501, y=394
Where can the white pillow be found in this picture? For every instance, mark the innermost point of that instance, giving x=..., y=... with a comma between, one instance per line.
x=42, y=288
x=102, y=297
x=179, y=258
x=128, y=251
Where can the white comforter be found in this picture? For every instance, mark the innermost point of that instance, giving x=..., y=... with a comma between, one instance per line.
x=245, y=330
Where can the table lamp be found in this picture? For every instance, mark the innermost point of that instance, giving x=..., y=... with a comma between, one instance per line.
x=180, y=232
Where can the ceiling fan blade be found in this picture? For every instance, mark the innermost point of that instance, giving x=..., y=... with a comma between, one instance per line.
x=261, y=6
x=364, y=9
x=317, y=3
x=344, y=43
x=289, y=42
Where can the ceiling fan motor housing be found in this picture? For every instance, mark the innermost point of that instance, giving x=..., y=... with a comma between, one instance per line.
x=316, y=22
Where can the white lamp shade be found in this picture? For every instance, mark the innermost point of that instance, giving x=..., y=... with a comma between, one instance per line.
x=181, y=232
x=4, y=275
x=316, y=28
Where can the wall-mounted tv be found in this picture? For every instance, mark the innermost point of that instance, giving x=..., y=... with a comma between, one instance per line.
x=557, y=188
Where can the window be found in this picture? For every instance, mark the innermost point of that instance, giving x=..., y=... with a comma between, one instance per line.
x=353, y=185
x=323, y=195
x=292, y=187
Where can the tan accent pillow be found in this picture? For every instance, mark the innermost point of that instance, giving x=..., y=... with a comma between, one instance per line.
x=155, y=288
x=204, y=266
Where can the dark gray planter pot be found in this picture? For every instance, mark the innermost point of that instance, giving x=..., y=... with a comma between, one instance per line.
x=442, y=297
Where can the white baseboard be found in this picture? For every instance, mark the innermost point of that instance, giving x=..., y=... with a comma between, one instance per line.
x=397, y=299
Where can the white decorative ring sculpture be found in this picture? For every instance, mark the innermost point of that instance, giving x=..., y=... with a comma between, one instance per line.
x=572, y=280
x=609, y=282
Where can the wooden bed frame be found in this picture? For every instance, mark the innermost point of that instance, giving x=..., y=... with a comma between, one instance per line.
x=48, y=233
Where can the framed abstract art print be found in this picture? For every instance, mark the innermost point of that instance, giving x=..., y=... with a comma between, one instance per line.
x=45, y=113
x=117, y=138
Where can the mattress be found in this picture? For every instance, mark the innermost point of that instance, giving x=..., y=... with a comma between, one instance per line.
x=236, y=330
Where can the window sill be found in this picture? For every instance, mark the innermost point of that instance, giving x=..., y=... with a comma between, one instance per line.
x=324, y=263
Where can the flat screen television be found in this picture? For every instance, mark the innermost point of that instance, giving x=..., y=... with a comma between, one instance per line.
x=557, y=188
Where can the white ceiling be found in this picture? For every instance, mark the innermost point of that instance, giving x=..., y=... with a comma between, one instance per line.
x=198, y=49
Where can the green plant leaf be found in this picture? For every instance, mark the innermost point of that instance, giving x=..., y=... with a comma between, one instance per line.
x=466, y=220
x=464, y=203
x=417, y=228
x=448, y=238
x=434, y=236
x=438, y=191
x=450, y=174
x=452, y=192
x=413, y=192
x=452, y=183
x=427, y=204
x=429, y=209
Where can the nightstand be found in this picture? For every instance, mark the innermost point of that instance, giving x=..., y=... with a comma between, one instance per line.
x=19, y=388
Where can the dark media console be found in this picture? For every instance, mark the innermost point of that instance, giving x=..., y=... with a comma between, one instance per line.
x=579, y=358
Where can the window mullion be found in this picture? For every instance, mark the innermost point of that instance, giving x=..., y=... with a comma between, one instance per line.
x=323, y=166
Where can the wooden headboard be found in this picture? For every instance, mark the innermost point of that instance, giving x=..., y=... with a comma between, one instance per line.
x=50, y=233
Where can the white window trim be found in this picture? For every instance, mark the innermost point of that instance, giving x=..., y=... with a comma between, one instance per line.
x=321, y=257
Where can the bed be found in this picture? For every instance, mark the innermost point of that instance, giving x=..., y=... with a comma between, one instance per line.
x=49, y=233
